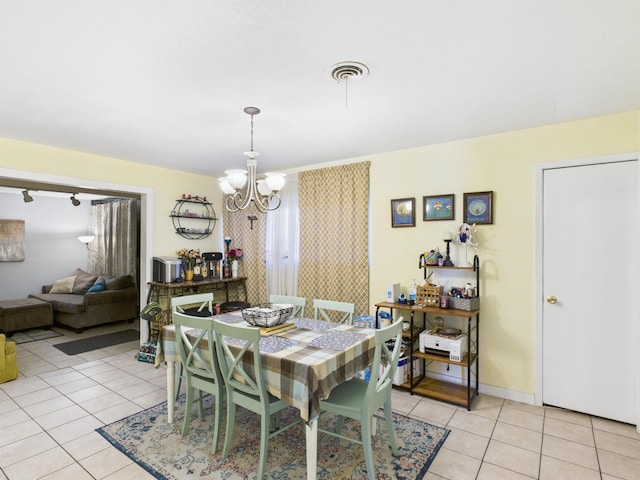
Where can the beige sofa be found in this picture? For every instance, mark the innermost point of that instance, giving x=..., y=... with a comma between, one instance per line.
x=78, y=307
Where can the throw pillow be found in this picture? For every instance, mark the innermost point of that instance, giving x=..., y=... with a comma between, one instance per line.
x=84, y=281
x=64, y=285
x=98, y=286
x=119, y=282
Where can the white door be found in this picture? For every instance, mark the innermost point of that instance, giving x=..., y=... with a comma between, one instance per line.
x=589, y=239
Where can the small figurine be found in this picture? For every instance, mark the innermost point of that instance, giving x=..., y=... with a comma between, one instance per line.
x=465, y=236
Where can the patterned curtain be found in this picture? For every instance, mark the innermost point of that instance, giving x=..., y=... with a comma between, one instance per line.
x=237, y=226
x=114, y=222
x=334, y=235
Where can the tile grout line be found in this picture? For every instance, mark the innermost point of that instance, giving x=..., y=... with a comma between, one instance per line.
x=595, y=446
x=544, y=424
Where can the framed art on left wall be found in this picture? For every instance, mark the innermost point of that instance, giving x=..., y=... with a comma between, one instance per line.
x=11, y=240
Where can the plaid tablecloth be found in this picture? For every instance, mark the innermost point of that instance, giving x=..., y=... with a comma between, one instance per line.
x=301, y=365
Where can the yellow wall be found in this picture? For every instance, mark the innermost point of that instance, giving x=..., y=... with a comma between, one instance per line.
x=502, y=163
x=505, y=164
x=167, y=185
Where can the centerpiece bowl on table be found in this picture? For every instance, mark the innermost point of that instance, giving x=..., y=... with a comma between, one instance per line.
x=267, y=315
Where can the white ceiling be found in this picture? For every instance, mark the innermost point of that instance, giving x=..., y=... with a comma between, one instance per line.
x=165, y=82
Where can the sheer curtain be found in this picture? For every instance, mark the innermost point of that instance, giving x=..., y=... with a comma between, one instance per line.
x=114, y=222
x=282, y=249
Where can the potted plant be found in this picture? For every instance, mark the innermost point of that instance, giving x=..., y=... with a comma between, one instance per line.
x=234, y=255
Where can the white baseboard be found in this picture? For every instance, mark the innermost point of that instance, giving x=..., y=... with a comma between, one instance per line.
x=521, y=397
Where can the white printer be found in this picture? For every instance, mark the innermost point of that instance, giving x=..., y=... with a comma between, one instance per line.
x=453, y=346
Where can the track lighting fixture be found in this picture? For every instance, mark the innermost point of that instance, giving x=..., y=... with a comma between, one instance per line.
x=74, y=200
x=26, y=197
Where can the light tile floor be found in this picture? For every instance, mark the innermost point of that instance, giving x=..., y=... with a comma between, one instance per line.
x=48, y=418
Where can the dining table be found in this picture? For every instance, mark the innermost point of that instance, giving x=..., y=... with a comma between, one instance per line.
x=301, y=363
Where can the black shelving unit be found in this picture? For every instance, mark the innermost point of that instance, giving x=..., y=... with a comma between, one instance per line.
x=189, y=217
x=460, y=394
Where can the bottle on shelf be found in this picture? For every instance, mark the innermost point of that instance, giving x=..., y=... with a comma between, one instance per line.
x=413, y=292
x=204, y=270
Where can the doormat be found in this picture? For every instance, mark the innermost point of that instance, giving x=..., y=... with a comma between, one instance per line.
x=94, y=343
x=158, y=447
x=33, y=335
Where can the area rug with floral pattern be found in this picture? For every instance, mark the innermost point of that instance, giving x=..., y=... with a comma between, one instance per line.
x=159, y=448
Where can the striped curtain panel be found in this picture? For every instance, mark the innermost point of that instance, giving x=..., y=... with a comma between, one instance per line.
x=334, y=235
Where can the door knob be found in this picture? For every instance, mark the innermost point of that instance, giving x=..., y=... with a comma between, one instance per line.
x=551, y=299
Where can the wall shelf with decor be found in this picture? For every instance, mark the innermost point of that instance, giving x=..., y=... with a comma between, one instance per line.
x=435, y=386
x=189, y=216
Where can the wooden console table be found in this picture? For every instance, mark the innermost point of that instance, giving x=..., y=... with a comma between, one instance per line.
x=159, y=290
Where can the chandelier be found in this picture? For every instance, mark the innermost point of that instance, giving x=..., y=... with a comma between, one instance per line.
x=262, y=192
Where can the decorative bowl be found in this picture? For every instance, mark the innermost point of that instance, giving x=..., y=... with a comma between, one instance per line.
x=267, y=315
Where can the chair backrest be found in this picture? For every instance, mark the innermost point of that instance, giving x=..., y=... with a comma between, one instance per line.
x=322, y=309
x=203, y=303
x=196, y=357
x=249, y=381
x=299, y=303
x=386, y=355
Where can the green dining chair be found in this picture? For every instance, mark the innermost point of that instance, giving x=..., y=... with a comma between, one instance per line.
x=360, y=400
x=200, y=365
x=322, y=310
x=299, y=303
x=200, y=305
x=246, y=387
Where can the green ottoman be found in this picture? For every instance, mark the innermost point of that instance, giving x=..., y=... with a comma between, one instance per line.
x=24, y=314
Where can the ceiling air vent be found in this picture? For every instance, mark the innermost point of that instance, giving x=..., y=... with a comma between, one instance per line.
x=349, y=71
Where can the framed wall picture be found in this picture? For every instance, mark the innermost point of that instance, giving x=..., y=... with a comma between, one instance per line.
x=11, y=240
x=478, y=208
x=403, y=212
x=438, y=207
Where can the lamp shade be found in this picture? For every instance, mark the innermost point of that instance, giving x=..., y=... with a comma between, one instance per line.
x=236, y=178
x=86, y=238
x=263, y=188
x=225, y=187
x=275, y=181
